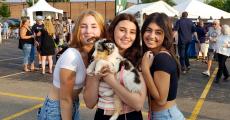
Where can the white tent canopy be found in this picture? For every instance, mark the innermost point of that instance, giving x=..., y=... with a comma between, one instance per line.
x=148, y=8
x=41, y=5
x=198, y=9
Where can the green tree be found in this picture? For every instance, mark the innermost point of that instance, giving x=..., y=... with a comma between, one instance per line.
x=220, y=4
x=4, y=10
x=30, y=2
x=170, y=2
x=227, y=5
x=217, y=3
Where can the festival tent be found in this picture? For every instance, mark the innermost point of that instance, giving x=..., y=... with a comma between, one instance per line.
x=41, y=5
x=145, y=9
x=197, y=9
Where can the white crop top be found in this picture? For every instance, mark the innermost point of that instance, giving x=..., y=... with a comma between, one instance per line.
x=71, y=59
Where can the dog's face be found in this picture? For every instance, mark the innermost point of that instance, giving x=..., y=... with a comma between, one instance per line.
x=103, y=48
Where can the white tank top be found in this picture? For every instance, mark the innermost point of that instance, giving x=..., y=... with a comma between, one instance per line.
x=71, y=59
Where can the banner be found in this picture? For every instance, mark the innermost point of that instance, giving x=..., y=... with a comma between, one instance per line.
x=120, y=5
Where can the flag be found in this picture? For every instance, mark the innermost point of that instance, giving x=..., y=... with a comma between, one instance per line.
x=120, y=5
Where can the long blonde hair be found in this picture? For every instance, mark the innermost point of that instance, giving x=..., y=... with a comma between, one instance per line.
x=49, y=27
x=76, y=41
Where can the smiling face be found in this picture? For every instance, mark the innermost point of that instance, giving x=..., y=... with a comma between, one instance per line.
x=124, y=34
x=153, y=36
x=89, y=28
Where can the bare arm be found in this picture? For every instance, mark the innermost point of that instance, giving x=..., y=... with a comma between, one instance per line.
x=158, y=83
x=134, y=100
x=91, y=91
x=66, y=93
x=23, y=35
x=175, y=33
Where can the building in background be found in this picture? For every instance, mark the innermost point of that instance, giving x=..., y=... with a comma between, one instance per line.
x=73, y=8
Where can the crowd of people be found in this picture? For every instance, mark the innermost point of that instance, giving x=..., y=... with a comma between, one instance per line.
x=209, y=43
x=47, y=36
x=158, y=65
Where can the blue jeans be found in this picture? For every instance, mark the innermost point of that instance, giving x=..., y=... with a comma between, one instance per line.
x=51, y=110
x=183, y=53
x=172, y=113
x=28, y=53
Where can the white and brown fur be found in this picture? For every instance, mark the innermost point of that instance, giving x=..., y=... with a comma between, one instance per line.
x=106, y=53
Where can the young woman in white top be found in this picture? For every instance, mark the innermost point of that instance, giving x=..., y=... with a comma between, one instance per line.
x=62, y=101
x=124, y=31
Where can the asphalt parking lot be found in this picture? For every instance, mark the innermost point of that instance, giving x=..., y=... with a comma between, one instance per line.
x=21, y=94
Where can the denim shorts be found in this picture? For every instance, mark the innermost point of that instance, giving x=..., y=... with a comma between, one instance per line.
x=172, y=113
x=51, y=110
x=28, y=53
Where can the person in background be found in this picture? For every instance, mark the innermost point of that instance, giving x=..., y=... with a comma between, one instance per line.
x=5, y=30
x=223, y=52
x=212, y=35
x=38, y=27
x=62, y=102
x=124, y=31
x=47, y=44
x=201, y=32
x=185, y=29
x=27, y=38
x=0, y=33
x=160, y=67
x=59, y=33
x=69, y=31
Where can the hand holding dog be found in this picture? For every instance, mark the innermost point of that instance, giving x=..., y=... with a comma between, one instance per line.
x=109, y=76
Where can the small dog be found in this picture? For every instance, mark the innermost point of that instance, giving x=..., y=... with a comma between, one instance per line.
x=106, y=53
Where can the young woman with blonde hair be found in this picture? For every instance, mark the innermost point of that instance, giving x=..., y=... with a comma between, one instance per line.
x=69, y=75
x=47, y=46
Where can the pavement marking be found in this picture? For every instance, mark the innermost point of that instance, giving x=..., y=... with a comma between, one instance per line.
x=82, y=105
x=13, y=116
x=21, y=96
x=10, y=59
x=12, y=75
x=201, y=100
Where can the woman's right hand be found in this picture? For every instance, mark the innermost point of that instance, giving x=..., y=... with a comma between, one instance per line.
x=147, y=60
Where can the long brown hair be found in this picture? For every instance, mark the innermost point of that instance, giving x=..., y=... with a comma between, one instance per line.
x=134, y=52
x=76, y=41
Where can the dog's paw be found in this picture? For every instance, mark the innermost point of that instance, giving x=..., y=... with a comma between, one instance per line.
x=108, y=93
x=89, y=71
x=90, y=74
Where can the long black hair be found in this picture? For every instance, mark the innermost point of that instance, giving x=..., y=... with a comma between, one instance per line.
x=164, y=22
